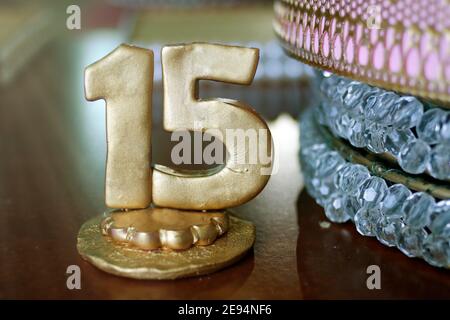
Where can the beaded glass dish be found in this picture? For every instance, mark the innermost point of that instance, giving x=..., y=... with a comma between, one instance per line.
x=416, y=134
x=415, y=222
x=398, y=45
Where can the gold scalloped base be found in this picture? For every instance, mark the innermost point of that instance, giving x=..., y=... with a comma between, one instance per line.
x=122, y=260
x=164, y=228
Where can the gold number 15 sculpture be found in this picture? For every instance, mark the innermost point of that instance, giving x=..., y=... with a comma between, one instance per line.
x=124, y=78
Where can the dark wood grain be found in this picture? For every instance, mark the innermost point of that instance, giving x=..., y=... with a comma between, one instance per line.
x=52, y=171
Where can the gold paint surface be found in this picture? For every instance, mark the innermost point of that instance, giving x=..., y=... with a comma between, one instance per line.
x=124, y=261
x=155, y=228
x=124, y=78
x=239, y=180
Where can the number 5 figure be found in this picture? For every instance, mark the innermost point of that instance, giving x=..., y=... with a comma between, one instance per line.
x=124, y=78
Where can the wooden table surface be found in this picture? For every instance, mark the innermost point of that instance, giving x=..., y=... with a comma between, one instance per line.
x=52, y=171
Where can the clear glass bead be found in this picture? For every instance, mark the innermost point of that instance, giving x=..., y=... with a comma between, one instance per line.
x=351, y=205
x=328, y=163
x=414, y=156
x=321, y=114
x=339, y=90
x=356, y=134
x=436, y=251
x=366, y=99
x=410, y=241
x=366, y=221
x=369, y=106
x=388, y=230
x=326, y=84
x=342, y=124
x=350, y=177
x=311, y=185
x=314, y=149
x=332, y=112
x=394, y=199
x=417, y=210
x=325, y=188
x=340, y=174
x=372, y=191
x=408, y=112
x=352, y=95
x=396, y=139
x=445, y=129
x=439, y=164
x=429, y=128
x=315, y=183
x=440, y=219
x=311, y=153
x=378, y=107
x=375, y=135
x=334, y=209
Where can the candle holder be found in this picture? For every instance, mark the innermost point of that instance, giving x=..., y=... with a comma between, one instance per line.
x=171, y=223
